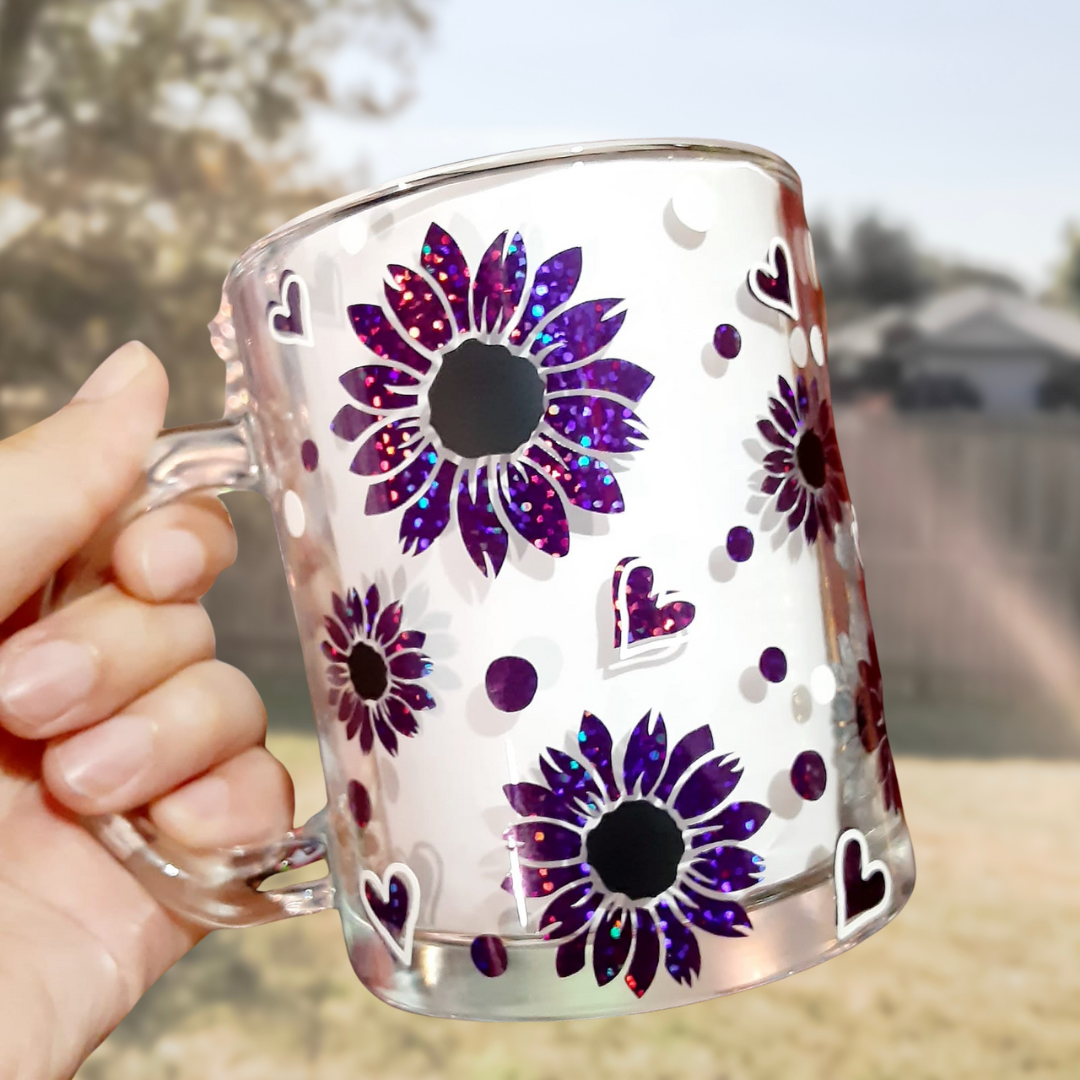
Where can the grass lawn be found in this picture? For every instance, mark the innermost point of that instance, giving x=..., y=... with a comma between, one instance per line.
x=979, y=977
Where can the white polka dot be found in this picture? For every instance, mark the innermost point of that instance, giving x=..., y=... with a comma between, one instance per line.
x=295, y=518
x=817, y=346
x=797, y=346
x=855, y=533
x=811, y=264
x=801, y=705
x=353, y=234
x=694, y=203
x=823, y=684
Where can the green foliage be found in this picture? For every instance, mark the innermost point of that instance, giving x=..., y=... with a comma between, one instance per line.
x=143, y=145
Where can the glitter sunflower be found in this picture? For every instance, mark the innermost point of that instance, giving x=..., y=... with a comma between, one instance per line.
x=804, y=471
x=860, y=711
x=635, y=866
x=870, y=718
x=486, y=399
x=374, y=670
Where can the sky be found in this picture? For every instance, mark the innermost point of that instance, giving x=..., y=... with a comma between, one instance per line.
x=958, y=120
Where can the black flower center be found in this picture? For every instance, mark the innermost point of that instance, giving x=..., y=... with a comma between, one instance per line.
x=635, y=850
x=811, y=458
x=368, y=671
x=485, y=400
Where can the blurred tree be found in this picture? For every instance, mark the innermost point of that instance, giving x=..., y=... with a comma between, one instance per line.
x=884, y=265
x=143, y=145
x=1066, y=288
x=880, y=264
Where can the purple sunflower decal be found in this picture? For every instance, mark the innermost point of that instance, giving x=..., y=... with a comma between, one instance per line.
x=805, y=467
x=374, y=670
x=635, y=866
x=870, y=717
x=486, y=399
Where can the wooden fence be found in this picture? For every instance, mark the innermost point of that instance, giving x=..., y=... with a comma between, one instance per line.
x=970, y=532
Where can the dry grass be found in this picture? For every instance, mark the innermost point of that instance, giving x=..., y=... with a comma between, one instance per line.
x=979, y=978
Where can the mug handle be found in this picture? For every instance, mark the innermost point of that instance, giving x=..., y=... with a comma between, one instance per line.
x=214, y=888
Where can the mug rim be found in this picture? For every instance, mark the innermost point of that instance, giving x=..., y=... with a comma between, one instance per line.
x=607, y=150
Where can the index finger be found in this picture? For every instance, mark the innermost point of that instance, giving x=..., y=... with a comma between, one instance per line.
x=62, y=478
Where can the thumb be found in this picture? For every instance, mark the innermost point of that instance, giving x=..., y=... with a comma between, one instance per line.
x=61, y=479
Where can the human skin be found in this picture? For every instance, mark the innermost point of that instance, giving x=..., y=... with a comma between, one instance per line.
x=111, y=702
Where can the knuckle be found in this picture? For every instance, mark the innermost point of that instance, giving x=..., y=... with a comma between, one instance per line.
x=198, y=630
x=231, y=699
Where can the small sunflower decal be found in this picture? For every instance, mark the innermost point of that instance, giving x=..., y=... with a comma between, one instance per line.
x=805, y=472
x=870, y=718
x=375, y=670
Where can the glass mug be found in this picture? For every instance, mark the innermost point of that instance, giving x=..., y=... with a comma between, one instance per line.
x=554, y=473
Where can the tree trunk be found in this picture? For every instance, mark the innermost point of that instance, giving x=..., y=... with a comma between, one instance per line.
x=17, y=19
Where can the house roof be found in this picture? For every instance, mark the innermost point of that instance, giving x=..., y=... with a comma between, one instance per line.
x=974, y=317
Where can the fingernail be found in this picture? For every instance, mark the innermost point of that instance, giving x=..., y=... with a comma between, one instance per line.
x=201, y=801
x=106, y=757
x=173, y=561
x=115, y=373
x=44, y=681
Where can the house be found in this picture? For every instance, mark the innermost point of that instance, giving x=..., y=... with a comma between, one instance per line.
x=976, y=348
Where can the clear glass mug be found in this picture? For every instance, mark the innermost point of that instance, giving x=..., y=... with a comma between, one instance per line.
x=552, y=463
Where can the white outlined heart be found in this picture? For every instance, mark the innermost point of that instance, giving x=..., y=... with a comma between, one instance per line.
x=657, y=599
x=846, y=927
x=768, y=280
x=294, y=306
x=400, y=948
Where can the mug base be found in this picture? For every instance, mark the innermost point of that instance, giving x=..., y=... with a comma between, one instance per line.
x=790, y=934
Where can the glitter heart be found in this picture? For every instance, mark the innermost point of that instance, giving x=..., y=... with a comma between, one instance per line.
x=863, y=886
x=290, y=319
x=770, y=281
x=642, y=621
x=392, y=905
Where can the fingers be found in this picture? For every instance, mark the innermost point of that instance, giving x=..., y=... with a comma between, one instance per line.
x=199, y=718
x=246, y=800
x=86, y=661
x=176, y=552
x=62, y=478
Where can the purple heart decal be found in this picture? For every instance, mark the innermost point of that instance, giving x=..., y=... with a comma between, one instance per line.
x=863, y=885
x=392, y=905
x=642, y=618
x=290, y=318
x=770, y=281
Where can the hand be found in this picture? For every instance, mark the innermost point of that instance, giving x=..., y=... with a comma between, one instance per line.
x=111, y=702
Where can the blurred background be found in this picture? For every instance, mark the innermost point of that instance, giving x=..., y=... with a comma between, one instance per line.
x=145, y=143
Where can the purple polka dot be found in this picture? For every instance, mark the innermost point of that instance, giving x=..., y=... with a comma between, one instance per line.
x=510, y=683
x=359, y=803
x=808, y=775
x=727, y=341
x=489, y=955
x=309, y=455
x=740, y=543
x=773, y=664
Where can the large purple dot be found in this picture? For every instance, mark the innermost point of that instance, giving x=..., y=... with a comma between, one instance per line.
x=511, y=683
x=309, y=455
x=773, y=664
x=359, y=803
x=727, y=341
x=808, y=775
x=740, y=543
x=489, y=955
